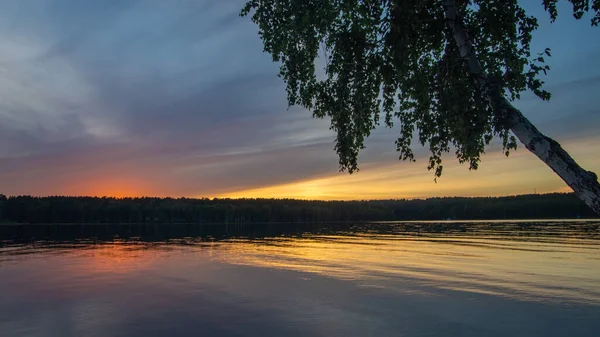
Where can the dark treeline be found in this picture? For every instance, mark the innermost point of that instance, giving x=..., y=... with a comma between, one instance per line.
x=27, y=209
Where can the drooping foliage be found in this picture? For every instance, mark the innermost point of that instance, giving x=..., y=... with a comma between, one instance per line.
x=356, y=61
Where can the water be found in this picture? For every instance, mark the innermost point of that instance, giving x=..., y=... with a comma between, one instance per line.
x=380, y=279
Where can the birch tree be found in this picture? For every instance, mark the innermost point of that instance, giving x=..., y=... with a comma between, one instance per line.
x=445, y=71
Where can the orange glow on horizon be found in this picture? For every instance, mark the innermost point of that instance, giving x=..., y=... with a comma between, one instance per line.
x=521, y=173
x=115, y=187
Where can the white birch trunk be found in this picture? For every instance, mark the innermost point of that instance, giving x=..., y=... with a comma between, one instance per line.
x=584, y=183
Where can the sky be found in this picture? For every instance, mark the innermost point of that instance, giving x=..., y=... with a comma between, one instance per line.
x=177, y=98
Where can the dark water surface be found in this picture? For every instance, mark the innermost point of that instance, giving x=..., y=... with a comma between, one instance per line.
x=380, y=279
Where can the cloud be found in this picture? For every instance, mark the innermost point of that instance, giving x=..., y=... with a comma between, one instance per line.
x=177, y=98
x=498, y=175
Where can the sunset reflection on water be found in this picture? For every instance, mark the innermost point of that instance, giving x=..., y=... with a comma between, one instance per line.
x=357, y=280
x=564, y=269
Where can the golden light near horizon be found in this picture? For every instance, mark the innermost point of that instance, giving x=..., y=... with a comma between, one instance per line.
x=520, y=173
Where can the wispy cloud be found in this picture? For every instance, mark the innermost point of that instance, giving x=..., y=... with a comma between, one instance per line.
x=177, y=98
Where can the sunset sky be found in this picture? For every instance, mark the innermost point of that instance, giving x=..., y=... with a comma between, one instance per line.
x=176, y=98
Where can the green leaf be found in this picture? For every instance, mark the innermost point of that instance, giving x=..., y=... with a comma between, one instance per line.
x=398, y=58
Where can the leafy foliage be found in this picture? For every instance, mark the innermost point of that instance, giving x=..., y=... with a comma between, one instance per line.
x=580, y=7
x=398, y=59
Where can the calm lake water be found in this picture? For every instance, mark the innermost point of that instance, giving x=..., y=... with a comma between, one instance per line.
x=380, y=279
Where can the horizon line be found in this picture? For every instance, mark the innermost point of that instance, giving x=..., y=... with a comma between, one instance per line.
x=274, y=198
